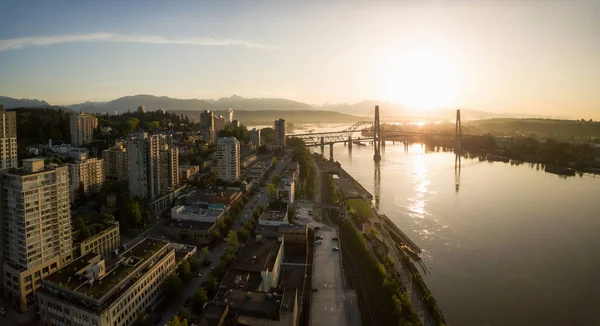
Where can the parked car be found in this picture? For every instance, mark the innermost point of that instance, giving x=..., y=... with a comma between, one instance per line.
x=317, y=228
x=335, y=249
x=319, y=237
x=2, y=311
x=335, y=238
x=319, y=241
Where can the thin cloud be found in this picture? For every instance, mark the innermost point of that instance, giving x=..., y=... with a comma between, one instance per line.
x=19, y=43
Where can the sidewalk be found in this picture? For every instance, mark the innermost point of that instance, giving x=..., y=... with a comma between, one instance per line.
x=13, y=318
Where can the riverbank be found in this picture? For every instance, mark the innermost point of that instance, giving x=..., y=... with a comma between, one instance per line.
x=368, y=234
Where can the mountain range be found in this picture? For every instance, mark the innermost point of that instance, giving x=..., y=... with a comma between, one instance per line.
x=362, y=109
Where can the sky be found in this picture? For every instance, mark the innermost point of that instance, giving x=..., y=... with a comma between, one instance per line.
x=538, y=57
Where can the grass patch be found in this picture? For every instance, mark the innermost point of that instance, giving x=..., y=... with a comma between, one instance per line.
x=360, y=207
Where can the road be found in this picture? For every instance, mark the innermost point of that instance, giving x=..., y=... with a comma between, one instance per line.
x=255, y=198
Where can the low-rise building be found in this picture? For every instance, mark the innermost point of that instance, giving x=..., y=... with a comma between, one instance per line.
x=188, y=171
x=257, y=266
x=256, y=308
x=104, y=243
x=198, y=214
x=89, y=291
x=276, y=214
x=197, y=233
x=293, y=233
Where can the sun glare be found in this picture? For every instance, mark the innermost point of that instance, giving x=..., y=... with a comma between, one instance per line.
x=419, y=80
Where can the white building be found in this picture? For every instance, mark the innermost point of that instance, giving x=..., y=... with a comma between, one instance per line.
x=36, y=235
x=254, y=135
x=189, y=213
x=8, y=139
x=82, y=128
x=228, y=159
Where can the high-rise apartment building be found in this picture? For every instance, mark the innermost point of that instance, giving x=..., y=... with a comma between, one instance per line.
x=153, y=165
x=169, y=168
x=8, y=139
x=230, y=115
x=36, y=227
x=207, y=126
x=115, y=163
x=228, y=159
x=82, y=128
x=279, y=127
x=219, y=125
x=87, y=174
x=254, y=136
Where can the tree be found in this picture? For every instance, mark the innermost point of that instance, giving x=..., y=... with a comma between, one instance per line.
x=216, y=234
x=129, y=212
x=200, y=298
x=173, y=285
x=195, y=264
x=177, y=322
x=184, y=314
x=243, y=234
x=184, y=270
x=142, y=320
x=232, y=239
x=274, y=160
x=211, y=283
x=276, y=179
x=153, y=125
x=271, y=190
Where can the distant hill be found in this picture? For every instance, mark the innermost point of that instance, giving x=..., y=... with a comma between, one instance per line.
x=152, y=103
x=389, y=111
x=266, y=117
x=12, y=103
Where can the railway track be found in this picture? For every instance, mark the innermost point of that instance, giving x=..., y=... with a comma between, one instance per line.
x=367, y=314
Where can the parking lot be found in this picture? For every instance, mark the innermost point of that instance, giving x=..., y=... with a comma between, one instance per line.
x=332, y=303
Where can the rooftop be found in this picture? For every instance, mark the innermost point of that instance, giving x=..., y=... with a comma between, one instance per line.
x=257, y=256
x=121, y=269
x=68, y=276
x=212, y=314
x=252, y=303
x=192, y=225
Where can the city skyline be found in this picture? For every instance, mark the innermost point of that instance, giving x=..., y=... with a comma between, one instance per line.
x=507, y=57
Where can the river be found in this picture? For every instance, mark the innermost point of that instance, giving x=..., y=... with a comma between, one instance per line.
x=513, y=246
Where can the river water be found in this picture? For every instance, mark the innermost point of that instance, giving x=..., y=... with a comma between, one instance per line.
x=513, y=246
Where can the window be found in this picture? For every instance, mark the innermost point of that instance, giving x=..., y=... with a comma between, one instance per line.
x=53, y=266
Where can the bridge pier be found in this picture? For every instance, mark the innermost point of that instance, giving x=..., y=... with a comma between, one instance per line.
x=377, y=136
x=331, y=151
x=322, y=146
x=350, y=142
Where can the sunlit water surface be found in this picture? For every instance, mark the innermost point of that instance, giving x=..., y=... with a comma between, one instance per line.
x=514, y=246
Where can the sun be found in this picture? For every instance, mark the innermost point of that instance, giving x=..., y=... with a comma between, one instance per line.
x=419, y=80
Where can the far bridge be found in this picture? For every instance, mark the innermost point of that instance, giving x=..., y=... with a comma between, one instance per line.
x=371, y=132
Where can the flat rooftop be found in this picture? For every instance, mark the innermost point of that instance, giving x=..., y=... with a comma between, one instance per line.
x=272, y=216
x=252, y=303
x=67, y=276
x=265, y=252
x=212, y=314
x=135, y=257
x=191, y=225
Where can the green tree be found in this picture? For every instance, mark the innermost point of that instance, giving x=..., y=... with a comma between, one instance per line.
x=211, y=283
x=232, y=239
x=243, y=234
x=276, y=179
x=272, y=191
x=200, y=298
x=131, y=125
x=173, y=285
x=184, y=270
x=153, y=125
x=142, y=319
x=274, y=160
x=195, y=264
x=177, y=322
x=184, y=314
x=216, y=234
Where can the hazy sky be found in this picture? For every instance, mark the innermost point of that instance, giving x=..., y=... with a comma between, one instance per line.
x=524, y=56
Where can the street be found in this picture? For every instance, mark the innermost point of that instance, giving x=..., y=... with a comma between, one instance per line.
x=256, y=198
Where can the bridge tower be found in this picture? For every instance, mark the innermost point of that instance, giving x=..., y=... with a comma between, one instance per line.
x=377, y=136
x=458, y=134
